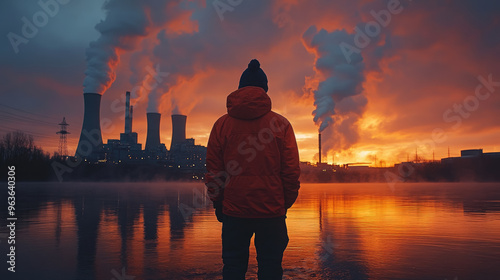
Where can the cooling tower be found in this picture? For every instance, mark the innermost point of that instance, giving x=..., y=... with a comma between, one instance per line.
x=319, y=146
x=90, y=144
x=153, y=137
x=178, y=130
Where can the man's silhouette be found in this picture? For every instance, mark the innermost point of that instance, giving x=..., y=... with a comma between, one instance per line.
x=252, y=177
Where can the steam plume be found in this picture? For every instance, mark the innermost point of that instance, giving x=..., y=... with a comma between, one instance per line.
x=339, y=80
x=179, y=55
x=126, y=23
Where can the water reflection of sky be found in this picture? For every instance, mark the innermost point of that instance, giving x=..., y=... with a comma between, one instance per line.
x=341, y=231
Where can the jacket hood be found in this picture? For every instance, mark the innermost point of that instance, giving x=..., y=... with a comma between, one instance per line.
x=248, y=103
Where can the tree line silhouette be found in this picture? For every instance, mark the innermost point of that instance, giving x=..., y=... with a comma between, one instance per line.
x=33, y=164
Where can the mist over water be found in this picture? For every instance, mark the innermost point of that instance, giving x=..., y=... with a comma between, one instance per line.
x=337, y=231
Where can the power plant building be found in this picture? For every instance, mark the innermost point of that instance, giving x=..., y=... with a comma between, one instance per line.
x=189, y=156
x=127, y=148
x=184, y=155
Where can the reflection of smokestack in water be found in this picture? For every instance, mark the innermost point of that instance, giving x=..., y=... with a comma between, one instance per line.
x=90, y=143
x=128, y=118
x=178, y=130
x=319, y=146
x=153, y=137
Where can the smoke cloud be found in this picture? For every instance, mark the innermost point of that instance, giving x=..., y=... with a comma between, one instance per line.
x=126, y=24
x=186, y=52
x=339, y=79
x=179, y=55
x=126, y=21
x=337, y=86
x=426, y=57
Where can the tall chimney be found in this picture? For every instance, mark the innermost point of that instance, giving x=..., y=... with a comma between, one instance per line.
x=128, y=119
x=153, y=137
x=90, y=144
x=131, y=116
x=319, y=146
x=178, y=130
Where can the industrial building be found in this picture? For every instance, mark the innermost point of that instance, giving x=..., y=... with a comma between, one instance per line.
x=127, y=148
x=472, y=154
x=184, y=155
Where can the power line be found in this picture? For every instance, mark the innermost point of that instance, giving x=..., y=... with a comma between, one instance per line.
x=24, y=127
x=31, y=113
x=33, y=135
x=8, y=129
x=30, y=133
x=15, y=117
x=24, y=116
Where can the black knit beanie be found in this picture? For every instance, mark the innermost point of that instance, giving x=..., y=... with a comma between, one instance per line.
x=253, y=76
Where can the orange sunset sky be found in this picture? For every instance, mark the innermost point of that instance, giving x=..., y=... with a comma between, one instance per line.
x=427, y=78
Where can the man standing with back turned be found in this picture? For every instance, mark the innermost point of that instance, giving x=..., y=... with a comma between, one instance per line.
x=252, y=177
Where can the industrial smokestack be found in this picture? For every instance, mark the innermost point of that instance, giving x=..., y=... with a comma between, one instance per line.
x=319, y=146
x=178, y=130
x=153, y=137
x=90, y=143
x=128, y=119
x=131, y=116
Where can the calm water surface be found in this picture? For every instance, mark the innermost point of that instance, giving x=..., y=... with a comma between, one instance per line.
x=337, y=231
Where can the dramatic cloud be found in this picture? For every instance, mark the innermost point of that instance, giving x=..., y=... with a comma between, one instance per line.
x=380, y=106
x=125, y=22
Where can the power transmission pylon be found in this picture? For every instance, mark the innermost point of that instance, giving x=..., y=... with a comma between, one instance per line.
x=63, y=143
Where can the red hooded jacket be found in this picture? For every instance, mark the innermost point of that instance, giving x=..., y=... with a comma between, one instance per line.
x=252, y=158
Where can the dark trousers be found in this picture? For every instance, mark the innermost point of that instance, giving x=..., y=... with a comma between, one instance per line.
x=271, y=239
